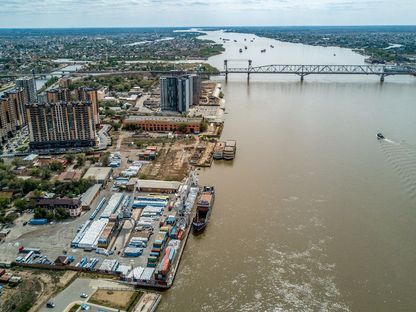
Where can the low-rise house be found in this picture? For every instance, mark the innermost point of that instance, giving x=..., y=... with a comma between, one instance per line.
x=70, y=176
x=71, y=205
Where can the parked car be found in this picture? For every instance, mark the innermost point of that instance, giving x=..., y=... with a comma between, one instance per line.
x=84, y=295
x=50, y=305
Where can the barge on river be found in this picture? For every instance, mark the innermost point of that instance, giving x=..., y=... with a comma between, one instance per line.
x=203, y=209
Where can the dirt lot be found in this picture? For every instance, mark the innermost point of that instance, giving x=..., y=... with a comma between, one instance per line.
x=172, y=162
x=35, y=289
x=117, y=299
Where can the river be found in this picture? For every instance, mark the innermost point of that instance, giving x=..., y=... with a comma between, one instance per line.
x=314, y=214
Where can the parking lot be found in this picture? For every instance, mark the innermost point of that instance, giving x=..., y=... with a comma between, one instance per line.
x=72, y=294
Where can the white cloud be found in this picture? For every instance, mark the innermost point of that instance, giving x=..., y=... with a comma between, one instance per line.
x=69, y=13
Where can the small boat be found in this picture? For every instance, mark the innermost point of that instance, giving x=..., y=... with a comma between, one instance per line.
x=219, y=150
x=235, y=40
x=263, y=51
x=245, y=47
x=272, y=46
x=229, y=150
x=241, y=50
x=204, y=205
x=245, y=39
x=380, y=136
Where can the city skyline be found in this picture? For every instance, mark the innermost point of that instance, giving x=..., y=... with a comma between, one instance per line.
x=187, y=13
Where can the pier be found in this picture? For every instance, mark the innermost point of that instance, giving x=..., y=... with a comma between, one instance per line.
x=303, y=70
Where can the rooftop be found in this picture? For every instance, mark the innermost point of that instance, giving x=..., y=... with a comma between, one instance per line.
x=98, y=173
x=158, y=184
x=164, y=118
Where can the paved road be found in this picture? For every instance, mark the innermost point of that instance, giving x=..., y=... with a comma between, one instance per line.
x=72, y=293
x=104, y=137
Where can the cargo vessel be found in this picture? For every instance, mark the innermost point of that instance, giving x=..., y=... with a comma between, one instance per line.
x=203, y=209
x=230, y=149
x=219, y=150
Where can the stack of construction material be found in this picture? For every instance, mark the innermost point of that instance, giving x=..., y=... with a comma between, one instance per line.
x=132, y=252
x=135, y=274
x=137, y=241
x=109, y=266
x=164, y=265
x=147, y=274
x=152, y=261
x=174, y=243
x=160, y=241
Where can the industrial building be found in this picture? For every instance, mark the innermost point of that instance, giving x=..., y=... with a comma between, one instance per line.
x=157, y=186
x=99, y=174
x=165, y=123
x=61, y=125
x=90, y=195
x=112, y=205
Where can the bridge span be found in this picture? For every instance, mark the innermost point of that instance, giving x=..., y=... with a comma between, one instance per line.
x=303, y=70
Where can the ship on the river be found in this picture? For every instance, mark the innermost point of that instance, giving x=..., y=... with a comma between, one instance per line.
x=204, y=205
x=219, y=150
x=230, y=149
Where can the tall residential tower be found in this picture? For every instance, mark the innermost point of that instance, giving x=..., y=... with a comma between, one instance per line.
x=61, y=125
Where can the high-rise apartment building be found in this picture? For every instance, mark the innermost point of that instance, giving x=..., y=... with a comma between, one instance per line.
x=61, y=125
x=91, y=95
x=196, y=88
x=29, y=88
x=17, y=100
x=169, y=93
x=7, y=119
x=184, y=94
x=179, y=93
x=58, y=95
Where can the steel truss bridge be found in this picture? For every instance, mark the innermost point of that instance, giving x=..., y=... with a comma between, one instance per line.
x=303, y=70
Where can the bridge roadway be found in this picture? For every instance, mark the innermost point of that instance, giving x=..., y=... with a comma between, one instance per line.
x=304, y=70
x=300, y=70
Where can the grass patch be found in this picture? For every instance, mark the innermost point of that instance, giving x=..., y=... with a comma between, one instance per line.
x=116, y=299
x=74, y=308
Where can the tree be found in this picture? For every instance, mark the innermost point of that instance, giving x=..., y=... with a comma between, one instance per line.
x=70, y=158
x=182, y=127
x=23, y=204
x=80, y=160
x=116, y=126
x=4, y=202
x=105, y=159
x=56, y=166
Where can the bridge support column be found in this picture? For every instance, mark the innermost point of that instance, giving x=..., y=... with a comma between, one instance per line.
x=248, y=77
x=382, y=78
x=302, y=78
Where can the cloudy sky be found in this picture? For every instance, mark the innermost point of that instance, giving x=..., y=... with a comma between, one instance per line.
x=90, y=13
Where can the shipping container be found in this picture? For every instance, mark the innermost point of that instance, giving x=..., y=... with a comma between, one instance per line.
x=38, y=221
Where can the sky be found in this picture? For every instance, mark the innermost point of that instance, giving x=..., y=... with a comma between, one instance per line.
x=149, y=13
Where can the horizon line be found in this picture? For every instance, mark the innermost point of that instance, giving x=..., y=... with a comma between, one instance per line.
x=202, y=27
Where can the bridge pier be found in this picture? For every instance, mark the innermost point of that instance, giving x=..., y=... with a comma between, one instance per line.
x=248, y=77
x=382, y=78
